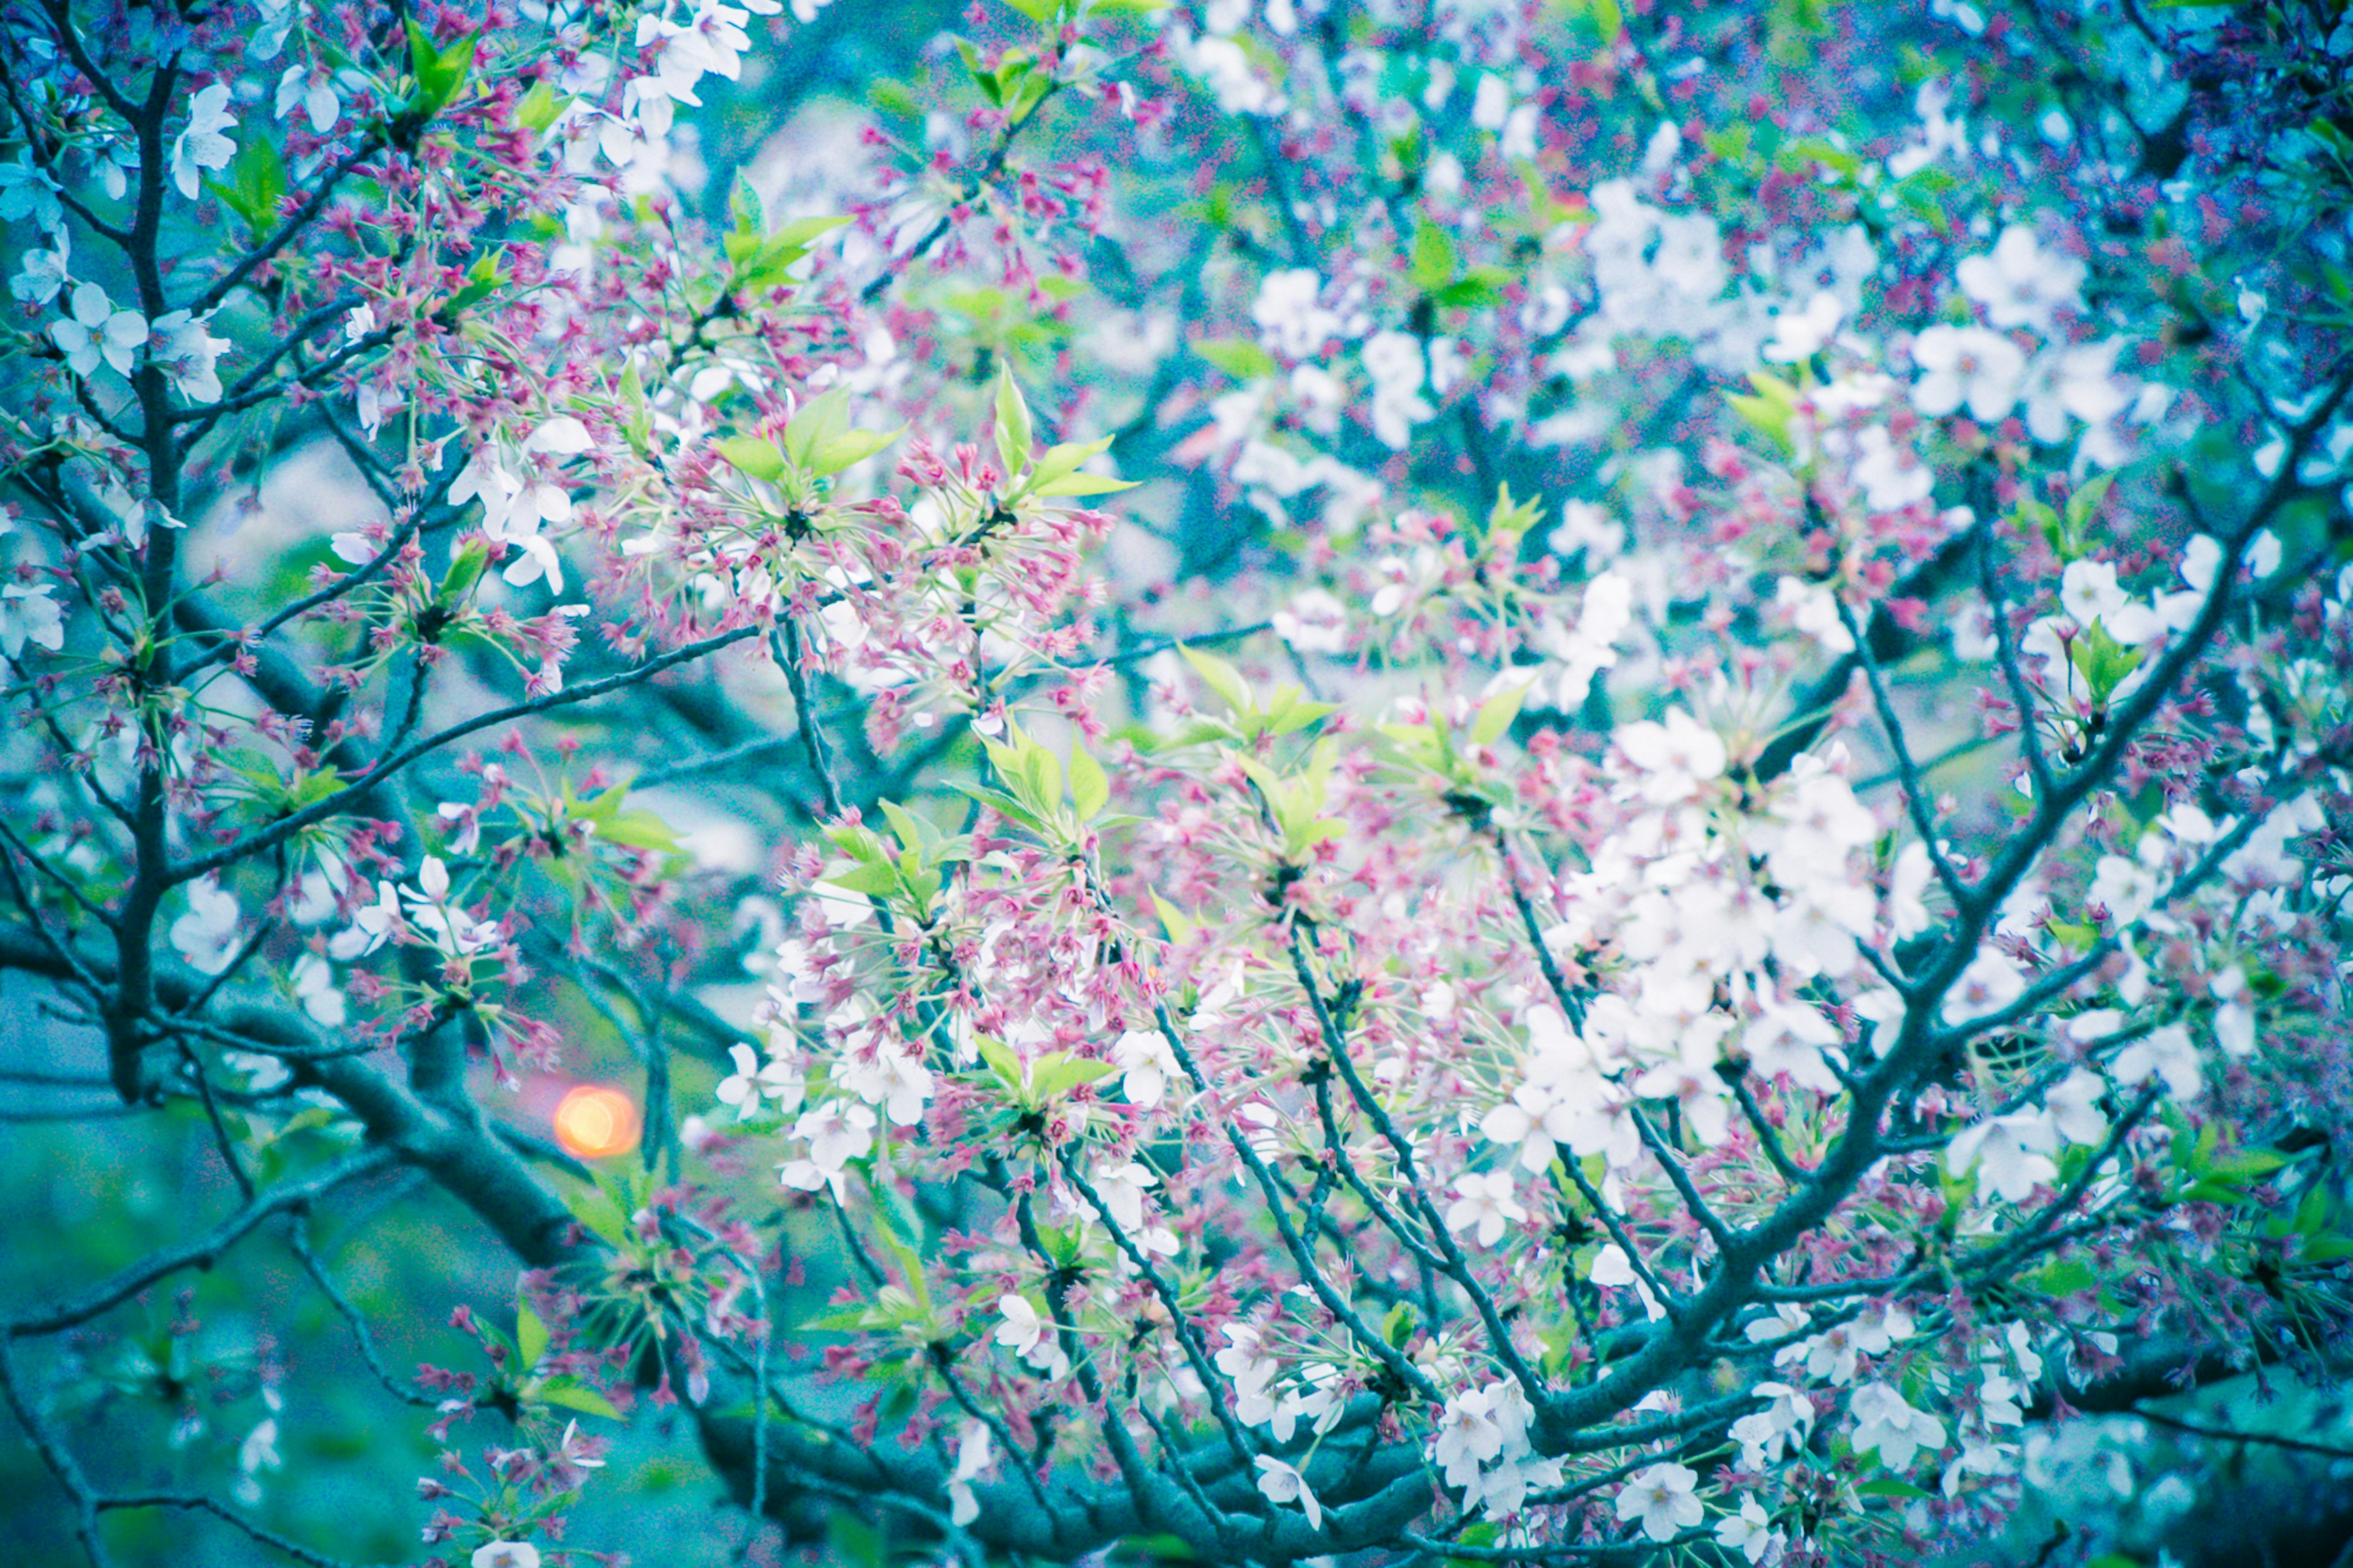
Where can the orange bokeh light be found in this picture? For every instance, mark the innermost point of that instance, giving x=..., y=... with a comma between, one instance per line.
x=597, y=1124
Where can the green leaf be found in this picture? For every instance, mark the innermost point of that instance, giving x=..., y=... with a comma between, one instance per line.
x=1089, y=790
x=762, y=260
x=531, y=1337
x=1397, y=1328
x=253, y=184
x=892, y=97
x=1001, y=1059
x=1888, y=1486
x=902, y=1233
x=982, y=76
x=1174, y=921
x=1481, y=288
x=638, y=425
x=854, y=1544
x=1015, y=433
x=1004, y=805
x=1731, y=144
x=1039, y=775
x=746, y=207
x=1802, y=151
x=2246, y=1165
x=1433, y=262
x=1508, y=519
x=1290, y=710
x=1237, y=357
x=2101, y=661
x=2084, y=504
x=574, y=1394
x=1495, y=715
x=2066, y=1276
x=1223, y=677
x=1921, y=194
x=848, y=1321
x=638, y=828
x=911, y=832
x=1058, y=1072
x=441, y=73
x=1771, y=409
x=1082, y=485
x=595, y=1209
x=878, y=881
x=848, y=448
x=540, y=107
x=755, y=455
x=480, y=278
x=1065, y=458
x=466, y=569
x=815, y=423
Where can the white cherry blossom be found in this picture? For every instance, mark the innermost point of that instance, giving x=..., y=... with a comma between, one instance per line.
x=1236, y=85
x=1315, y=621
x=1749, y=1532
x=1560, y=1102
x=1662, y=1497
x=1023, y=1331
x=2089, y=593
x=313, y=88
x=45, y=272
x=2077, y=383
x=1146, y=1063
x=1799, y=335
x=1989, y=983
x=837, y=1132
x=184, y=345
x=1467, y=1438
x=1281, y=1482
x=26, y=191
x=2012, y=1154
x=96, y=331
x=30, y=615
x=1884, y=1422
x=1890, y=476
x=1671, y=760
x=202, y=143
x=1592, y=646
x=314, y=987
x=975, y=1452
x=1613, y=1268
x=754, y=1081
x=2020, y=283
x=209, y=934
x=1394, y=361
x=505, y=1554
x=1782, y=1426
x=1966, y=366
x=1291, y=320
x=1486, y=1201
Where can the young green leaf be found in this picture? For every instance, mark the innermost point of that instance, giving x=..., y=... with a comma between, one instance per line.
x=1223, y=679
x=1089, y=790
x=1015, y=435
x=755, y=455
x=531, y=1337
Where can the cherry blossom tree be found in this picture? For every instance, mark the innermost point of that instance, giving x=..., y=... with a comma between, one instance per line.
x=1477, y=781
